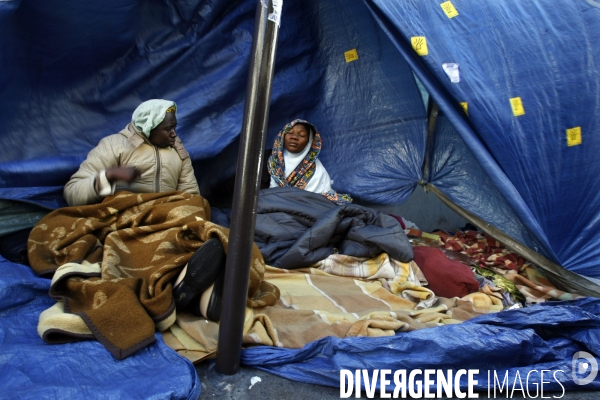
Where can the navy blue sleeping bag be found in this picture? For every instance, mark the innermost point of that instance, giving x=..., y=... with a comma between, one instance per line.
x=296, y=228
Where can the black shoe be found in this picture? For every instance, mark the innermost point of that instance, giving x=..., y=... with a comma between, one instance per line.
x=213, y=307
x=202, y=270
x=213, y=311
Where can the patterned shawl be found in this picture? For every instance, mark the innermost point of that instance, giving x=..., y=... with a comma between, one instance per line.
x=305, y=170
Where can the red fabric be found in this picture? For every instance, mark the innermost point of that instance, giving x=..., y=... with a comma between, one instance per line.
x=447, y=278
x=399, y=219
x=484, y=250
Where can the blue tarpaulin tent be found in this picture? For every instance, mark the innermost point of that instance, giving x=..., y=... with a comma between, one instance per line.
x=513, y=149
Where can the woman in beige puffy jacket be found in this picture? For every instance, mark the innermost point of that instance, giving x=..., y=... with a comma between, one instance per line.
x=148, y=157
x=145, y=157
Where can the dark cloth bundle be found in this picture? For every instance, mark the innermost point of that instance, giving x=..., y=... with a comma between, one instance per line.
x=296, y=228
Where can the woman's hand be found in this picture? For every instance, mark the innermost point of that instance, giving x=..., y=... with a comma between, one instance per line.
x=125, y=174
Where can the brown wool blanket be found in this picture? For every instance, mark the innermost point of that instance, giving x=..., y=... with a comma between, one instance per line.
x=113, y=266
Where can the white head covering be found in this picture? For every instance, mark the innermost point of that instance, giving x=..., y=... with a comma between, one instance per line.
x=293, y=159
x=150, y=114
x=320, y=182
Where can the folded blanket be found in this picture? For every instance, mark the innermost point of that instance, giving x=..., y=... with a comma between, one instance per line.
x=113, y=265
x=404, y=279
x=315, y=304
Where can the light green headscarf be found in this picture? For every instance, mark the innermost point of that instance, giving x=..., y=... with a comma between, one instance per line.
x=150, y=114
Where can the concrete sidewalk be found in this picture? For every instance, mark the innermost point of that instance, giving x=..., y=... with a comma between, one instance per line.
x=240, y=387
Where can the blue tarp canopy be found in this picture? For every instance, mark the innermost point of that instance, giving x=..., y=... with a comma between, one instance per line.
x=516, y=144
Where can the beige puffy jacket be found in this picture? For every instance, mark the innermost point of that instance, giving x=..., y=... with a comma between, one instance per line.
x=162, y=169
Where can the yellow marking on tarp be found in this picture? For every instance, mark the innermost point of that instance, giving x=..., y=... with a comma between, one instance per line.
x=351, y=55
x=419, y=44
x=574, y=136
x=517, y=106
x=449, y=9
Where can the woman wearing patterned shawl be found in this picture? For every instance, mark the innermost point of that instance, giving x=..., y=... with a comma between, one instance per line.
x=294, y=161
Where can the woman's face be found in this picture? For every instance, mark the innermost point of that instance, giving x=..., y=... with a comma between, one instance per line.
x=296, y=139
x=164, y=134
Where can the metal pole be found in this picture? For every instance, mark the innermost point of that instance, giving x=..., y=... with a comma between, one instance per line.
x=247, y=183
x=432, y=115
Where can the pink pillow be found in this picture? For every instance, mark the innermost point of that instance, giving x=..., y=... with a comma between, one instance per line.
x=447, y=278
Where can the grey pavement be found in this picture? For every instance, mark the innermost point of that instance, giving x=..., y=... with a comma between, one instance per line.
x=218, y=386
x=240, y=387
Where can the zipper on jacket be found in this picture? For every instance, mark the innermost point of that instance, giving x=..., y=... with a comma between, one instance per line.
x=158, y=166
